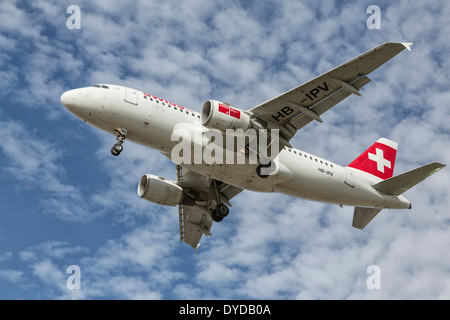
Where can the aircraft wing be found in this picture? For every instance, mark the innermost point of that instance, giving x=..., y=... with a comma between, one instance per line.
x=195, y=221
x=296, y=108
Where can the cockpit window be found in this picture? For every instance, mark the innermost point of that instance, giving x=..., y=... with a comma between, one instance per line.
x=100, y=86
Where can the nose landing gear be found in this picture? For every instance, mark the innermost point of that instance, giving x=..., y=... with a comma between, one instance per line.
x=121, y=135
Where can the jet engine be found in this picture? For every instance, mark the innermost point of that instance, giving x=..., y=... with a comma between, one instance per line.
x=160, y=190
x=221, y=116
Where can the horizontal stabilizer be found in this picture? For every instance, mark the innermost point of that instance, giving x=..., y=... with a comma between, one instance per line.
x=403, y=182
x=362, y=216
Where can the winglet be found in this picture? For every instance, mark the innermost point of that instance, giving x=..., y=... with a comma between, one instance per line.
x=407, y=45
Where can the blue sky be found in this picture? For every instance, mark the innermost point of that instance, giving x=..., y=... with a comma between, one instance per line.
x=67, y=201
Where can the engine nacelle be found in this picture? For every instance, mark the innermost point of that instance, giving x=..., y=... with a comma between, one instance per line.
x=160, y=190
x=218, y=115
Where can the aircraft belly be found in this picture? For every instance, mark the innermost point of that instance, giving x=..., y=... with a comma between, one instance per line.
x=309, y=185
x=239, y=175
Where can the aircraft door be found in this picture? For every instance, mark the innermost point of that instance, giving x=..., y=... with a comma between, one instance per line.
x=349, y=178
x=131, y=96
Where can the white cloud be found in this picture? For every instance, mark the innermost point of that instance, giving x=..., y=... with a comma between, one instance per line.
x=6, y=256
x=13, y=276
x=33, y=162
x=50, y=249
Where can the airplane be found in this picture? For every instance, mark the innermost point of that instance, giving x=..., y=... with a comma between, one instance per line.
x=203, y=189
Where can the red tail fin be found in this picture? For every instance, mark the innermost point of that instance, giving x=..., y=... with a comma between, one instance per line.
x=378, y=160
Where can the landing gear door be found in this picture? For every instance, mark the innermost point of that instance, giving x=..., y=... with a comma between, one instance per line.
x=131, y=96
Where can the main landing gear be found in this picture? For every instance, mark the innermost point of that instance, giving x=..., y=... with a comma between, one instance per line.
x=121, y=135
x=221, y=210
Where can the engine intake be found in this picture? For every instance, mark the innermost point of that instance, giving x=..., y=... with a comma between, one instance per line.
x=218, y=115
x=160, y=190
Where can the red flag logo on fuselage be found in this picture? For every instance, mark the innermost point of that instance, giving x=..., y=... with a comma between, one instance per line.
x=229, y=111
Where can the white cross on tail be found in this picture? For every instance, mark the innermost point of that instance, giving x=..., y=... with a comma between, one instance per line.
x=380, y=160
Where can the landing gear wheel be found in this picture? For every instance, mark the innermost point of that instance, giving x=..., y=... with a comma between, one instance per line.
x=121, y=135
x=114, y=152
x=215, y=216
x=118, y=147
x=222, y=210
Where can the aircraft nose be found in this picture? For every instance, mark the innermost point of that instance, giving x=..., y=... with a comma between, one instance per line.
x=68, y=99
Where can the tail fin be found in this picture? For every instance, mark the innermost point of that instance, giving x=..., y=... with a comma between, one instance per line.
x=378, y=160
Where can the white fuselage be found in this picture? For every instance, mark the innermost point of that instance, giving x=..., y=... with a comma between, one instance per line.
x=151, y=121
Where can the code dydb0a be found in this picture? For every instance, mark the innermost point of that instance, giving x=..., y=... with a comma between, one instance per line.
x=241, y=309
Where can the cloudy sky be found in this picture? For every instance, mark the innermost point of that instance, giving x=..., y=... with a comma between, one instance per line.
x=66, y=201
